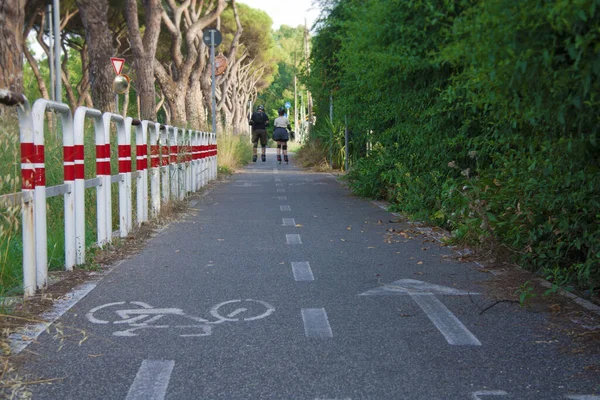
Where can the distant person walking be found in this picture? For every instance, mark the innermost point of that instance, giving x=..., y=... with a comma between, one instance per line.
x=281, y=135
x=259, y=121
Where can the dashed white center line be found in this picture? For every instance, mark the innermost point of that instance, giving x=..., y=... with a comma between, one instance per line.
x=277, y=180
x=279, y=184
x=285, y=208
x=302, y=271
x=281, y=198
x=288, y=222
x=151, y=381
x=316, y=324
x=280, y=190
x=293, y=239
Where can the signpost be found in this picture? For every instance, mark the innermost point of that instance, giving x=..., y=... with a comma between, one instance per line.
x=212, y=38
x=121, y=81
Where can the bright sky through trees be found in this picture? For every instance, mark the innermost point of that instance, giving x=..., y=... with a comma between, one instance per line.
x=287, y=12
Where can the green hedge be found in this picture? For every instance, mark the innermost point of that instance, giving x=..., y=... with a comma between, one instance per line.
x=482, y=116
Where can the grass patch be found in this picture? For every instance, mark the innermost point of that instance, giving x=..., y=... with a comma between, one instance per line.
x=312, y=155
x=234, y=152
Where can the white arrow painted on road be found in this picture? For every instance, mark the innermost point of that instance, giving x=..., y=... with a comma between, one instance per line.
x=413, y=286
x=423, y=294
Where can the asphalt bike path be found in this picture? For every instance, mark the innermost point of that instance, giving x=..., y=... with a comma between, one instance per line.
x=279, y=284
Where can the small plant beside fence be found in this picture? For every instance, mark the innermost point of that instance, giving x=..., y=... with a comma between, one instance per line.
x=160, y=162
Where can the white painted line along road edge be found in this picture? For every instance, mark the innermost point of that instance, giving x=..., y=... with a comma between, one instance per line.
x=302, y=271
x=316, y=324
x=446, y=322
x=21, y=339
x=475, y=395
x=288, y=222
x=151, y=381
x=293, y=239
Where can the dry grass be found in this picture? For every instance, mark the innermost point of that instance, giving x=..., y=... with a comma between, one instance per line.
x=234, y=151
x=312, y=155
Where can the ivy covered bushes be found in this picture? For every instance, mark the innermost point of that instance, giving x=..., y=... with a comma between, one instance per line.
x=478, y=115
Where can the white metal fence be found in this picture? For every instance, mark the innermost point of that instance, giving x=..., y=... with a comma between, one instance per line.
x=171, y=162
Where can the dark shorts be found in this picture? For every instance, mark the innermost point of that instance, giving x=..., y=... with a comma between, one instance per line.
x=259, y=134
x=280, y=135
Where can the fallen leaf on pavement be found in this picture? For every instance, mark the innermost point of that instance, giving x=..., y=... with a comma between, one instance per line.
x=420, y=263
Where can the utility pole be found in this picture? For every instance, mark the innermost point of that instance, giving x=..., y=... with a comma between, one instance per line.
x=331, y=133
x=306, y=56
x=57, y=43
x=50, y=46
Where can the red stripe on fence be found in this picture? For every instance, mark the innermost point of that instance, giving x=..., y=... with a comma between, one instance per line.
x=27, y=178
x=27, y=173
x=99, y=159
x=69, y=156
x=107, y=169
x=27, y=152
x=154, y=154
x=173, y=155
x=79, y=168
x=140, y=151
x=164, y=152
x=40, y=157
x=40, y=172
x=124, y=166
x=124, y=152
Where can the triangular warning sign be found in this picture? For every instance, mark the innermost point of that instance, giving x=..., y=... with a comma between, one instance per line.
x=412, y=286
x=117, y=64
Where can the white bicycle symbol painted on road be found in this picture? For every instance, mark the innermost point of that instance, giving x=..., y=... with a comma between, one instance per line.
x=137, y=315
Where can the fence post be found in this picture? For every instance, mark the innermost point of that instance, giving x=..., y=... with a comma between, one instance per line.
x=189, y=161
x=196, y=162
x=164, y=162
x=78, y=139
x=214, y=155
x=28, y=205
x=204, y=165
x=141, y=166
x=41, y=235
x=125, y=197
x=109, y=117
x=154, y=169
x=173, y=165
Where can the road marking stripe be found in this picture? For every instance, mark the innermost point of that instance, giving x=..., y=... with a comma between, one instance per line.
x=583, y=397
x=288, y=222
x=285, y=208
x=281, y=198
x=151, y=381
x=316, y=324
x=280, y=190
x=302, y=271
x=475, y=395
x=453, y=330
x=279, y=184
x=293, y=238
x=277, y=180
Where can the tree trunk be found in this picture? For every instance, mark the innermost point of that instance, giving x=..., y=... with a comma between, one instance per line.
x=100, y=49
x=12, y=19
x=144, y=51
